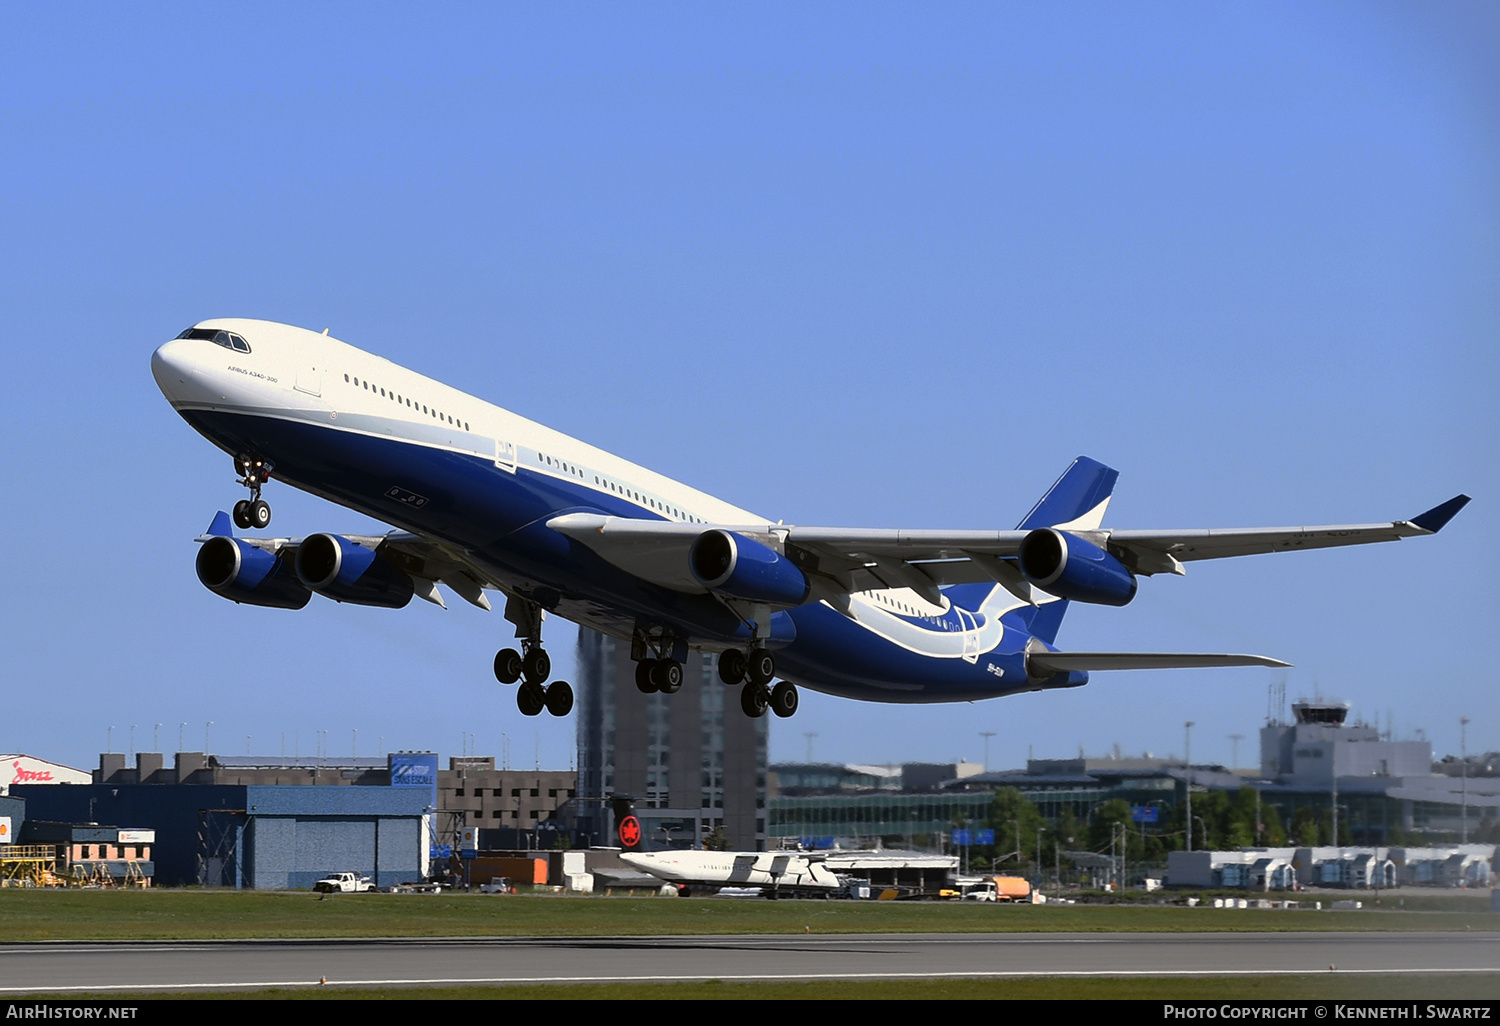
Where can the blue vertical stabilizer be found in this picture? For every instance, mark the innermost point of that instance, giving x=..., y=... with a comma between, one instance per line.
x=1077, y=498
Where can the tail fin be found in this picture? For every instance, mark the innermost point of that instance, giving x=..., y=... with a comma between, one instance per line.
x=1077, y=500
x=628, y=829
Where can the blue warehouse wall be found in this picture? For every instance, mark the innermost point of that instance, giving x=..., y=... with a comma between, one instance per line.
x=178, y=814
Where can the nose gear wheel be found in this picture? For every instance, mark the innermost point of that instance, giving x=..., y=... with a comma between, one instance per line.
x=253, y=513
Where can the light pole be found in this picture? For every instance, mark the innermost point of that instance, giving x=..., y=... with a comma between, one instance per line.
x=987, y=734
x=1187, y=777
x=1463, y=755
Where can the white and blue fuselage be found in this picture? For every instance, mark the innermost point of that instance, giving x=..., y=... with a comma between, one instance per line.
x=897, y=616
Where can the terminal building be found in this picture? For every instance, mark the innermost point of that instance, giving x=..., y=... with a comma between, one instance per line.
x=1365, y=787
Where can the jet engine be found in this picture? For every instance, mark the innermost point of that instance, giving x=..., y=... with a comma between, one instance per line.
x=1065, y=565
x=743, y=568
x=240, y=571
x=346, y=571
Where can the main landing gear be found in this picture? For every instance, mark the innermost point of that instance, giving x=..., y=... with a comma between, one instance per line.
x=254, y=512
x=664, y=675
x=757, y=670
x=532, y=663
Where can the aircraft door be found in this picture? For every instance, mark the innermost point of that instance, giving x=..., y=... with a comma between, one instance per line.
x=505, y=455
x=310, y=380
x=971, y=634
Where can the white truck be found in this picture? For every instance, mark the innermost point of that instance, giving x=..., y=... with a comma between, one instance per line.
x=344, y=883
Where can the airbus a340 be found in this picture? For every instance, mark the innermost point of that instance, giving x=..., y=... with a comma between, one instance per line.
x=485, y=500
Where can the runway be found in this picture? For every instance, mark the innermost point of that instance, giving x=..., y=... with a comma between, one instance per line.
x=83, y=968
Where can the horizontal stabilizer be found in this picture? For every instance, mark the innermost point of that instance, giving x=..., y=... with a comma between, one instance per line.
x=1041, y=664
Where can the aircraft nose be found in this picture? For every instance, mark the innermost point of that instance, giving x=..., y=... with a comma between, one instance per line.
x=172, y=367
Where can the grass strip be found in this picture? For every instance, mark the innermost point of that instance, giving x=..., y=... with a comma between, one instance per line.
x=35, y=915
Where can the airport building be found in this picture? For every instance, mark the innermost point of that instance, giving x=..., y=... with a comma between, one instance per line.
x=1385, y=791
x=513, y=809
x=1376, y=868
x=692, y=766
x=27, y=769
x=820, y=805
x=517, y=809
x=252, y=826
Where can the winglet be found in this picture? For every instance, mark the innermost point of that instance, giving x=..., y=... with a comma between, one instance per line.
x=221, y=525
x=1438, y=516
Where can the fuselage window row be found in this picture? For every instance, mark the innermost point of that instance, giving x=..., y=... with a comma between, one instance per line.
x=406, y=400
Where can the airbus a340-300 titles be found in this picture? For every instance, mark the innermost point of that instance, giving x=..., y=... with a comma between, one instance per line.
x=485, y=500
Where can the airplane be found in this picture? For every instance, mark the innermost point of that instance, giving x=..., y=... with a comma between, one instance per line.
x=483, y=500
x=772, y=871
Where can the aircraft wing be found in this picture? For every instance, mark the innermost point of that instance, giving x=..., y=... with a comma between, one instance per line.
x=1146, y=552
x=1150, y=546
x=862, y=559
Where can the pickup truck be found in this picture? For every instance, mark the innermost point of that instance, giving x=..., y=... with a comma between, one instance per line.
x=344, y=883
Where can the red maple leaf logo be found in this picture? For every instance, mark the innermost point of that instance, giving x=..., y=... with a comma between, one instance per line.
x=630, y=831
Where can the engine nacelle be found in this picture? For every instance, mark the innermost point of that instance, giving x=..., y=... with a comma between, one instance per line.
x=240, y=571
x=743, y=568
x=1067, y=566
x=346, y=571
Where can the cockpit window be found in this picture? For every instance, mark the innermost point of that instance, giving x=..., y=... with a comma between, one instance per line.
x=227, y=339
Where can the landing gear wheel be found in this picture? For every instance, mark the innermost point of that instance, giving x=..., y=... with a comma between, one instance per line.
x=559, y=698
x=508, y=668
x=643, y=676
x=784, y=699
x=260, y=514
x=732, y=667
x=531, y=699
x=666, y=676
x=242, y=514
x=762, y=667
x=754, y=699
x=537, y=665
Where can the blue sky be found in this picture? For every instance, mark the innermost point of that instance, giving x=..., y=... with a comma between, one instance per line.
x=843, y=264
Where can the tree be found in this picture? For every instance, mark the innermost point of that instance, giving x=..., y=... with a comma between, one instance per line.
x=1016, y=823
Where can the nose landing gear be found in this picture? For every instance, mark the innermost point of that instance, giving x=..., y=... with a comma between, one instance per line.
x=254, y=512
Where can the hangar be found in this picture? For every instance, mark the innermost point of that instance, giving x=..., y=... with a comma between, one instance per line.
x=275, y=837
